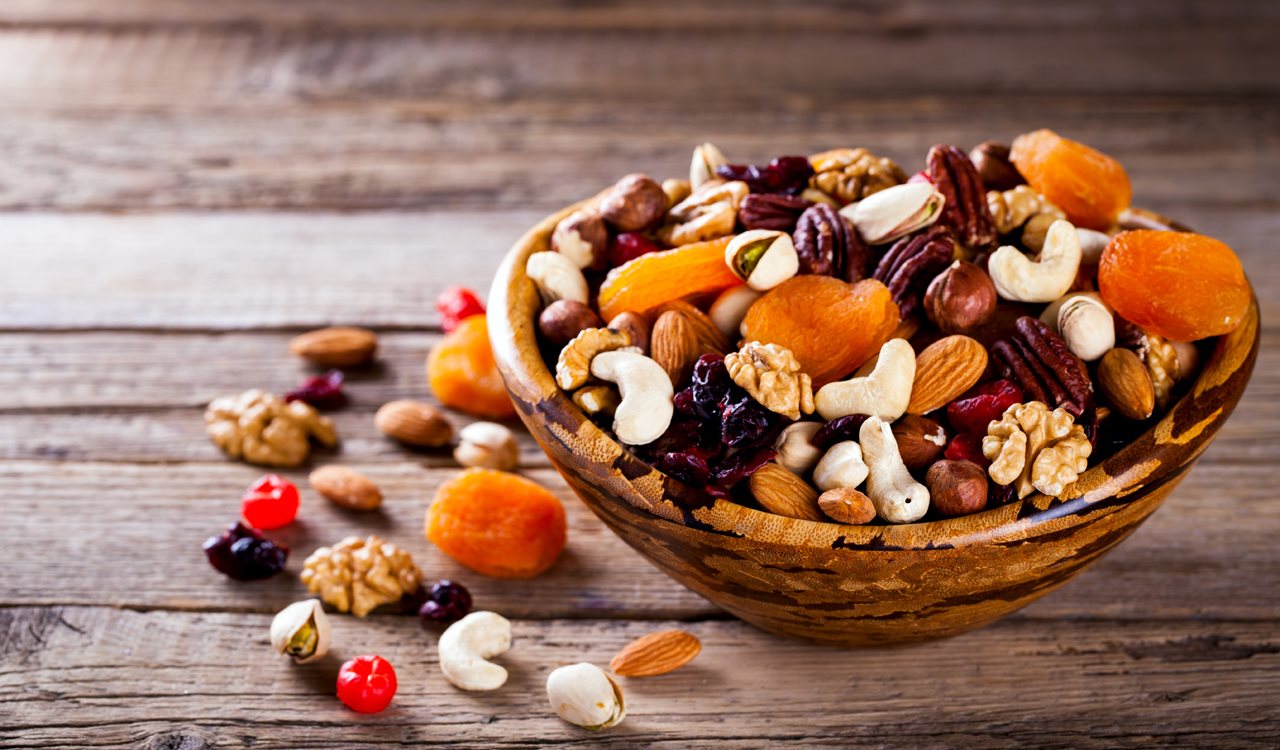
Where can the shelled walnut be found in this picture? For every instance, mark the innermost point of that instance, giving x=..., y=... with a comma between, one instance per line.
x=358, y=575
x=1037, y=448
x=263, y=428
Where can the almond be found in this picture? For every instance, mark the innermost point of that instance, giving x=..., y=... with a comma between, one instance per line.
x=847, y=505
x=347, y=488
x=414, y=423
x=706, y=333
x=944, y=371
x=656, y=653
x=1126, y=384
x=672, y=345
x=343, y=346
x=784, y=493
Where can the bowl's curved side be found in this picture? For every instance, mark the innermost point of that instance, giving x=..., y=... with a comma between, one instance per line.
x=855, y=584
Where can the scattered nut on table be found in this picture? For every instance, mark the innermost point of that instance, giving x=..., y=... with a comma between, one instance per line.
x=346, y=488
x=340, y=346
x=414, y=423
x=466, y=647
x=358, y=575
x=263, y=428
x=301, y=631
x=585, y=695
x=487, y=445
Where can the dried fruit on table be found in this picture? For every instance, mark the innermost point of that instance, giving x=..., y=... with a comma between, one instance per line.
x=1180, y=285
x=446, y=601
x=650, y=280
x=263, y=428
x=245, y=555
x=497, y=524
x=358, y=575
x=456, y=304
x=463, y=374
x=321, y=391
x=366, y=684
x=829, y=325
x=270, y=502
x=1089, y=186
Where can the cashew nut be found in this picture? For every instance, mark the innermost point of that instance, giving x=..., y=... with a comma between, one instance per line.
x=898, y=497
x=795, y=451
x=1020, y=279
x=842, y=466
x=884, y=393
x=467, y=645
x=557, y=277
x=647, y=396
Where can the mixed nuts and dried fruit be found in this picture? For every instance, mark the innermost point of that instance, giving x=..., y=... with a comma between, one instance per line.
x=828, y=338
x=490, y=520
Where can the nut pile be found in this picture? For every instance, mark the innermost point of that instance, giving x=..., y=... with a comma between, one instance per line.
x=827, y=338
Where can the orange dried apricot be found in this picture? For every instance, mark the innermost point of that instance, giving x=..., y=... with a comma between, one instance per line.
x=463, y=374
x=1179, y=285
x=1089, y=186
x=650, y=280
x=497, y=523
x=831, y=326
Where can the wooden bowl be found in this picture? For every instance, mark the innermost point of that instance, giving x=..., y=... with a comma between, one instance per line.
x=858, y=585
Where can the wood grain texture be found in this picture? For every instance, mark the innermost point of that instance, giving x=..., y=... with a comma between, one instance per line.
x=1058, y=684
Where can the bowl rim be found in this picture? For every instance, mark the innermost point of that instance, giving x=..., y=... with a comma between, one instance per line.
x=1162, y=453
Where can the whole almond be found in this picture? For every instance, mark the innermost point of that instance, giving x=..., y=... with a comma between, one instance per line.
x=945, y=370
x=706, y=333
x=349, y=489
x=1126, y=384
x=784, y=493
x=672, y=345
x=656, y=653
x=414, y=423
x=847, y=505
x=342, y=346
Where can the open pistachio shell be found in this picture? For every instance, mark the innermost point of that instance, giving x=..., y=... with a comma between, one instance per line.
x=895, y=212
x=585, y=695
x=301, y=630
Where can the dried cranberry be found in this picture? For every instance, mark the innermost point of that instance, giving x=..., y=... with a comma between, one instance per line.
x=447, y=601
x=456, y=304
x=710, y=386
x=271, y=502
x=967, y=446
x=321, y=391
x=976, y=409
x=244, y=554
x=741, y=465
x=746, y=422
x=786, y=174
x=687, y=467
x=628, y=246
x=838, y=430
x=1001, y=494
x=699, y=437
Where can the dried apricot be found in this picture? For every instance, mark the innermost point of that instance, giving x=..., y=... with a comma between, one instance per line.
x=463, y=374
x=497, y=524
x=648, y=281
x=1089, y=186
x=1179, y=285
x=831, y=326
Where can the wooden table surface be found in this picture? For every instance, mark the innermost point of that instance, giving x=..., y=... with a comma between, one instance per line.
x=185, y=186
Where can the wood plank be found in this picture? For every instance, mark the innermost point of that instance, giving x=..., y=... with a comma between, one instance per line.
x=152, y=518
x=96, y=677
x=135, y=144
x=298, y=270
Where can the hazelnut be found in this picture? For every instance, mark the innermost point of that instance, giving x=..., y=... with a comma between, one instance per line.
x=994, y=167
x=582, y=237
x=635, y=203
x=564, y=319
x=957, y=488
x=487, y=445
x=921, y=440
x=676, y=190
x=961, y=298
x=635, y=324
x=847, y=505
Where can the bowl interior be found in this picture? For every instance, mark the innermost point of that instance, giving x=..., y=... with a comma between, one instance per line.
x=1165, y=450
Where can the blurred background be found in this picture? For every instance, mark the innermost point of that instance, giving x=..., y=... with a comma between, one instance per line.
x=186, y=185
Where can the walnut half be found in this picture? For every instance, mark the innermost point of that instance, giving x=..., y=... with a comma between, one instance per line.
x=771, y=374
x=358, y=575
x=1037, y=448
x=263, y=428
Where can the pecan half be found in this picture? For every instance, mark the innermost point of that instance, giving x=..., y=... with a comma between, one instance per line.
x=1038, y=360
x=828, y=244
x=912, y=262
x=966, y=209
x=771, y=211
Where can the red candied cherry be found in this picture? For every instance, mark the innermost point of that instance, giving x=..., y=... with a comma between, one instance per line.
x=367, y=684
x=271, y=502
x=628, y=246
x=456, y=304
